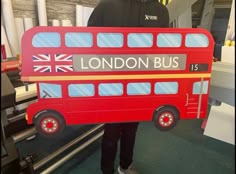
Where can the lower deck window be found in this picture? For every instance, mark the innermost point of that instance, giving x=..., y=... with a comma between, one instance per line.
x=81, y=90
x=48, y=90
x=200, y=87
x=166, y=88
x=138, y=88
x=110, y=89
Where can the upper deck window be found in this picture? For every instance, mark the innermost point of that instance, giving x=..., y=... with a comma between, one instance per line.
x=46, y=39
x=110, y=40
x=169, y=40
x=74, y=39
x=196, y=40
x=140, y=40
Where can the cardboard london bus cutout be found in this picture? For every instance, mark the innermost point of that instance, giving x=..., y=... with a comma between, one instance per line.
x=89, y=75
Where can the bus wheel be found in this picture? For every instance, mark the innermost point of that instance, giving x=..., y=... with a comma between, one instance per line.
x=49, y=124
x=166, y=118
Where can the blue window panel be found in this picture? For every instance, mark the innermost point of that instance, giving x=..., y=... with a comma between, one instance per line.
x=138, y=88
x=197, y=87
x=110, y=40
x=169, y=40
x=166, y=88
x=50, y=90
x=79, y=39
x=140, y=40
x=81, y=90
x=46, y=39
x=110, y=89
x=196, y=40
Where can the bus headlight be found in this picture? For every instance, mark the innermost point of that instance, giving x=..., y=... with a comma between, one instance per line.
x=26, y=117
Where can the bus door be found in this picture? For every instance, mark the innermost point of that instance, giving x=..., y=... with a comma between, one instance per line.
x=196, y=98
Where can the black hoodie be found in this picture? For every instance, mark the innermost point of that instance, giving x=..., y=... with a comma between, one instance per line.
x=129, y=13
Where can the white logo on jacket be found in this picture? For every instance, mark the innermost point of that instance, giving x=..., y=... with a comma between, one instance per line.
x=150, y=17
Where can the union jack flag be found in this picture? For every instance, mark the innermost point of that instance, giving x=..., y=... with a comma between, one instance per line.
x=64, y=68
x=52, y=63
x=42, y=68
x=63, y=57
x=41, y=58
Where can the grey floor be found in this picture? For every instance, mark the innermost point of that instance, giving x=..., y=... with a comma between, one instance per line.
x=183, y=150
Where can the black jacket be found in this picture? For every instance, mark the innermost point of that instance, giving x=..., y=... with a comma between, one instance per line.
x=129, y=13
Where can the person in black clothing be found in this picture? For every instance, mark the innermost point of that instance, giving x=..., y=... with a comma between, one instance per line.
x=124, y=13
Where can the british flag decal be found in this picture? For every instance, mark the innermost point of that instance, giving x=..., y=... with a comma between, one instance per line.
x=41, y=58
x=42, y=68
x=64, y=68
x=63, y=57
x=52, y=63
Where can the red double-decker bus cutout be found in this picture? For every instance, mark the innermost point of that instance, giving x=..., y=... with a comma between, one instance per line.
x=90, y=75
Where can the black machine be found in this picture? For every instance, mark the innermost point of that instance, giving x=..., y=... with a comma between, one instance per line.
x=11, y=163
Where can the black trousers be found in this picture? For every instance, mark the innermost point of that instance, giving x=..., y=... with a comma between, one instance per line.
x=126, y=133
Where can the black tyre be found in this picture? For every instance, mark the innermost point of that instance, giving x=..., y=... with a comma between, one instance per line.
x=49, y=124
x=166, y=118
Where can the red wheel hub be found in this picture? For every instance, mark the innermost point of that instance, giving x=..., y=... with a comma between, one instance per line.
x=166, y=119
x=49, y=125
